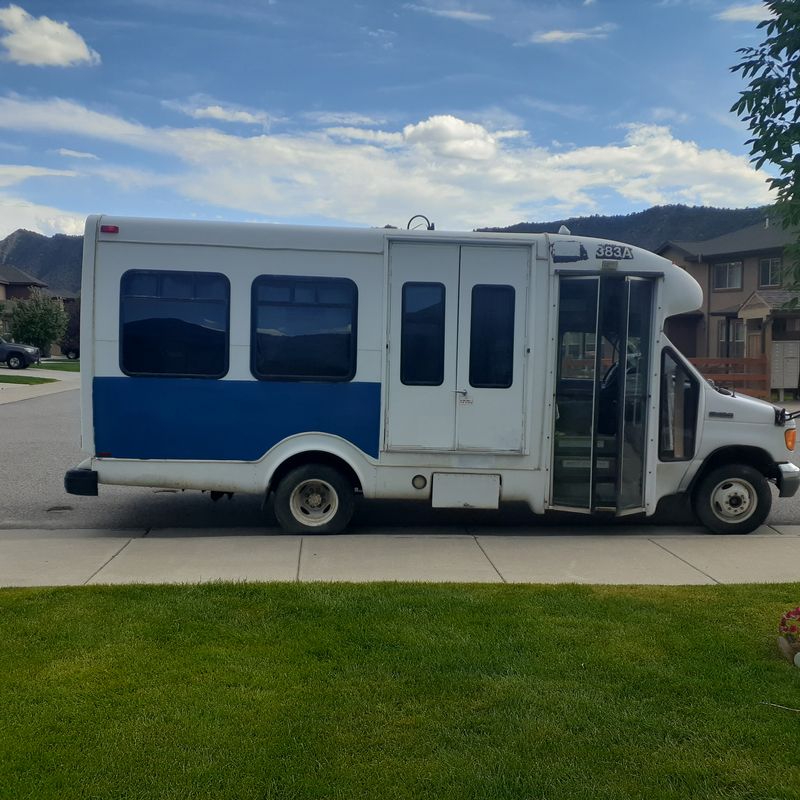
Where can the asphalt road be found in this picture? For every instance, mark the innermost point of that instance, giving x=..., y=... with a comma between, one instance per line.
x=39, y=441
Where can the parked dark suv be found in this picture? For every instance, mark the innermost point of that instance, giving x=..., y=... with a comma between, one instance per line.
x=18, y=356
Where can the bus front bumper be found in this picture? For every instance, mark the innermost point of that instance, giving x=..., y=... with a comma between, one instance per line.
x=788, y=479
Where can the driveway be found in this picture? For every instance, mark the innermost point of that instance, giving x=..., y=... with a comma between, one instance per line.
x=62, y=382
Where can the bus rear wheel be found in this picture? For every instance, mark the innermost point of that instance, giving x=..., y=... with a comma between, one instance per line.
x=733, y=499
x=314, y=498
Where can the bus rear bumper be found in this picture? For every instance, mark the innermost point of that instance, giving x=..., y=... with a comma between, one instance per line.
x=82, y=481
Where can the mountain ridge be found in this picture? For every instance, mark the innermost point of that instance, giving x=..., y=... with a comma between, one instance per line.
x=652, y=227
x=56, y=260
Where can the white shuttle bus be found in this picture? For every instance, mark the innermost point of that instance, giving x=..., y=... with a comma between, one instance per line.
x=459, y=369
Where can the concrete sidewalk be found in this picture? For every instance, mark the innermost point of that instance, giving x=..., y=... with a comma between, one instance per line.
x=646, y=555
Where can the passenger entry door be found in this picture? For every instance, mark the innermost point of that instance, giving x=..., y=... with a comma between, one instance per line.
x=602, y=393
x=456, y=361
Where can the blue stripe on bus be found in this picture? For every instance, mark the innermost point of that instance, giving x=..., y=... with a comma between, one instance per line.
x=213, y=420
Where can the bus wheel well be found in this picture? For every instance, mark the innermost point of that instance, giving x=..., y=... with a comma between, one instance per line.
x=750, y=456
x=313, y=457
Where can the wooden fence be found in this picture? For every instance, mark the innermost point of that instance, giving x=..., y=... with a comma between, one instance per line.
x=745, y=375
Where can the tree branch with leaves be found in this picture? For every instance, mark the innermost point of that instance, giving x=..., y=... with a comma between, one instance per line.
x=770, y=106
x=39, y=320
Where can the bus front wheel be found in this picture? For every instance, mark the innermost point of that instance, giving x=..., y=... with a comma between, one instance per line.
x=314, y=498
x=734, y=498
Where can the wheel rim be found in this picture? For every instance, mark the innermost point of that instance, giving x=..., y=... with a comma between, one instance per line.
x=14, y=362
x=314, y=502
x=734, y=500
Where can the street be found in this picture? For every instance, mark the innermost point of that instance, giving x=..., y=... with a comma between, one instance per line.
x=40, y=441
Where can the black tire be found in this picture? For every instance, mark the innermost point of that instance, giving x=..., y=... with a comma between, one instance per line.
x=16, y=361
x=314, y=498
x=735, y=498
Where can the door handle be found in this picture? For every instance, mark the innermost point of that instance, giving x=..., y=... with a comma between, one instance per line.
x=462, y=392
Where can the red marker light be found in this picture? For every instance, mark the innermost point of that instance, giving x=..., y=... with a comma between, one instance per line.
x=109, y=229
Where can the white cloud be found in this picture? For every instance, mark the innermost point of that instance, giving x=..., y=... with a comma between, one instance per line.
x=66, y=116
x=662, y=114
x=380, y=36
x=677, y=169
x=42, y=42
x=63, y=151
x=200, y=108
x=448, y=136
x=461, y=174
x=561, y=109
x=229, y=115
x=564, y=37
x=354, y=134
x=12, y=174
x=345, y=118
x=17, y=213
x=460, y=14
x=753, y=12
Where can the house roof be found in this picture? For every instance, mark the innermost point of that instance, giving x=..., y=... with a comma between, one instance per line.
x=763, y=302
x=11, y=276
x=761, y=237
x=776, y=299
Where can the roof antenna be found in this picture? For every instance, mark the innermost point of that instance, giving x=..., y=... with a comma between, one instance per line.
x=429, y=226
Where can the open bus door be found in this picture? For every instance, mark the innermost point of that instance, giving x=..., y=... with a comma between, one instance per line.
x=602, y=393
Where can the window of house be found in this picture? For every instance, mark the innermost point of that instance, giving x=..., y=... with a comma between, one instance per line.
x=727, y=275
x=769, y=271
x=174, y=324
x=422, y=334
x=303, y=328
x=491, y=341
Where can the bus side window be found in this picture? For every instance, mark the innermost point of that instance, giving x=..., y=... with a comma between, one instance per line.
x=491, y=345
x=303, y=328
x=680, y=393
x=174, y=324
x=422, y=334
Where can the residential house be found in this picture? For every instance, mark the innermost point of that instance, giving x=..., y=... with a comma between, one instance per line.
x=746, y=311
x=16, y=284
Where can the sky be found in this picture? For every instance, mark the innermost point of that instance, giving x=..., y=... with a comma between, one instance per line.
x=472, y=112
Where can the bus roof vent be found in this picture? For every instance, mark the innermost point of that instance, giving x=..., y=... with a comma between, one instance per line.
x=564, y=230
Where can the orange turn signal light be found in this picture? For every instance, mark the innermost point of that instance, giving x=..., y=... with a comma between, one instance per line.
x=790, y=435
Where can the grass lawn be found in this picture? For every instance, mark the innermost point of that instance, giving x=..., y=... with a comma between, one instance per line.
x=63, y=366
x=28, y=380
x=396, y=691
